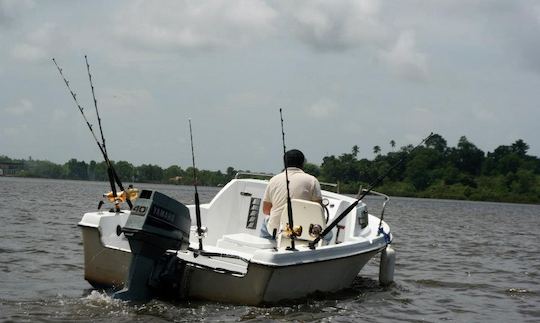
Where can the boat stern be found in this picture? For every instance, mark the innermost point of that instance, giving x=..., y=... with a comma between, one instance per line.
x=106, y=251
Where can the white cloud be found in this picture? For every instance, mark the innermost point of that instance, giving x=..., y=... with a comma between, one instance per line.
x=10, y=10
x=15, y=131
x=21, y=108
x=126, y=101
x=536, y=12
x=244, y=102
x=321, y=109
x=58, y=115
x=335, y=25
x=181, y=25
x=320, y=56
x=481, y=114
x=405, y=59
x=28, y=52
x=40, y=44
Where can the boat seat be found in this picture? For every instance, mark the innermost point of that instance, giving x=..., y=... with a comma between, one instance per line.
x=305, y=214
x=247, y=240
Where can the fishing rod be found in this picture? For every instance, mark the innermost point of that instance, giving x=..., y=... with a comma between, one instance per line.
x=81, y=109
x=197, y=202
x=104, y=148
x=289, y=204
x=110, y=169
x=365, y=192
x=95, y=103
x=111, y=172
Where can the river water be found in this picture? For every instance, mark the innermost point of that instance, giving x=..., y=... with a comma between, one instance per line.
x=456, y=261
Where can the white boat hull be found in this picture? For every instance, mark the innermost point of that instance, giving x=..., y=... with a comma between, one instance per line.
x=103, y=266
x=108, y=267
x=266, y=284
x=254, y=270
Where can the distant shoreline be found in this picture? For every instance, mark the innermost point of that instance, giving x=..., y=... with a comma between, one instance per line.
x=432, y=170
x=106, y=184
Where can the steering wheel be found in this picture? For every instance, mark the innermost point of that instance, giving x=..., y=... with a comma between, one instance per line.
x=325, y=203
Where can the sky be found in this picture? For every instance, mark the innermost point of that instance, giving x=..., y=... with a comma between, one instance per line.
x=345, y=73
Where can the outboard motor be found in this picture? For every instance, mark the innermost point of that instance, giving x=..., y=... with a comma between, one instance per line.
x=157, y=223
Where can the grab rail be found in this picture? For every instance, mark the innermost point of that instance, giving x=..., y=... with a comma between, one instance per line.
x=238, y=174
x=334, y=185
x=268, y=175
x=386, y=199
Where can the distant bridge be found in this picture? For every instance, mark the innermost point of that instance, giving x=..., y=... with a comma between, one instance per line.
x=10, y=168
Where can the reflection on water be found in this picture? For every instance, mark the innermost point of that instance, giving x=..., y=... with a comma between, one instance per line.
x=460, y=261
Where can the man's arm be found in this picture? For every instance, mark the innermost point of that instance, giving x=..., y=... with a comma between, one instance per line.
x=267, y=206
x=317, y=194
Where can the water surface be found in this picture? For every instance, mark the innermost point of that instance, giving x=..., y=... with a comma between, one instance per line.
x=456, y=261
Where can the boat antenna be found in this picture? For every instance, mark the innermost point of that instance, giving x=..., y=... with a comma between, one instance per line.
x=110, y=169
x=366, y=192
x=289, y=204
x=197, y=202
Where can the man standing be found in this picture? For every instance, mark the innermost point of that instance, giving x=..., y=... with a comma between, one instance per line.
x=301, y=186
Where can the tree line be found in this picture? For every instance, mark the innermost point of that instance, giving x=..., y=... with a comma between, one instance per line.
x=97, y=171
x=434, y=170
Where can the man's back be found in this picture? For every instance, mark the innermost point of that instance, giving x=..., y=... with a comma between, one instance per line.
x=301, y=186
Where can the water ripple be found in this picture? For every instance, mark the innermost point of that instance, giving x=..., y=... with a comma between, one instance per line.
x=456, y=261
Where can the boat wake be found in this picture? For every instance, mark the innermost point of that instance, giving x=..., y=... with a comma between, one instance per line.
x=100, y=298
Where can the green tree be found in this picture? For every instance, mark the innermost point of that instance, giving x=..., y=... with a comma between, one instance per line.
x=149, y=173
x=101, y=171
x=342, y=169
x=467, y=157
x=420, y=168
x=312, y=169
x=437, y=142
x=173, y=171
x=92, y=170
x=75, y=169
x=44, y=169
x=124, y=170
x=355, y=151
x=524, y=182
x=5, y=159
x=520, y=147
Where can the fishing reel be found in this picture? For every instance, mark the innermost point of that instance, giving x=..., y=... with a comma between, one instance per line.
x=122, y=196
x=296, y=231
x=199, y=234
x=315, y=230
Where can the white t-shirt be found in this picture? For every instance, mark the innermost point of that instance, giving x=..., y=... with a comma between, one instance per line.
x=301, y=186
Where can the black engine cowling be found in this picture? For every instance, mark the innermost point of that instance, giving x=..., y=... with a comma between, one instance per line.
x=157, y=223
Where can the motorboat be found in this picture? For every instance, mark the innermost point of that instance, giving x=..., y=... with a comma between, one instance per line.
x=154, y=249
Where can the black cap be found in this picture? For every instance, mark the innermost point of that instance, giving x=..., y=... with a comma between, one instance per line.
x=294, y=158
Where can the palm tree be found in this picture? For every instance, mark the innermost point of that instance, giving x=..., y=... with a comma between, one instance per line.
x=376, y=150
x=520, y=147
x=355, y=150
x=393, y=144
